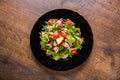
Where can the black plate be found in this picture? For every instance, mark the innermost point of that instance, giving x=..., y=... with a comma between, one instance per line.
x=75, y=60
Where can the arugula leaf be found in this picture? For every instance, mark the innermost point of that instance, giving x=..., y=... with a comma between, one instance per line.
x=44, y=27
x=66, y=51
x=62, y=49
x=55, y=29
x=78, y=46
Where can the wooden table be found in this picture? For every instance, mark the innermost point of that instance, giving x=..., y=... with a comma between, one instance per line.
x=17, y=18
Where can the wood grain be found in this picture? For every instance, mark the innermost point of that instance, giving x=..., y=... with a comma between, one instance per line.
x=17, y=18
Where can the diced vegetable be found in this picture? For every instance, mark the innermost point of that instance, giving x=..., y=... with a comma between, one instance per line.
x=59, y=40
x=56, y=49
x=73, y=52
x=54, y=43
x=69, y=22
x=56, y=35
x=63, y=34
x=52, y=21
x=48, y=52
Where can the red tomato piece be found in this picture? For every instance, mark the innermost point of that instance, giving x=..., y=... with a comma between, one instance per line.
x=63, y=34
x=56, y=35
x=69, y=22
x=52, y=21
x=61, y=44
x=73, y=52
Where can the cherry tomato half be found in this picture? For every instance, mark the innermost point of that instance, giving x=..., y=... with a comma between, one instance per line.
x=73, y=52
x=52, y=21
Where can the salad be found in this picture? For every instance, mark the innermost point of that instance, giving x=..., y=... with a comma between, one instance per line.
x=60, y=38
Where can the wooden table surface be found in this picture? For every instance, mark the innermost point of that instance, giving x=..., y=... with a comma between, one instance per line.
x=17, y=18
